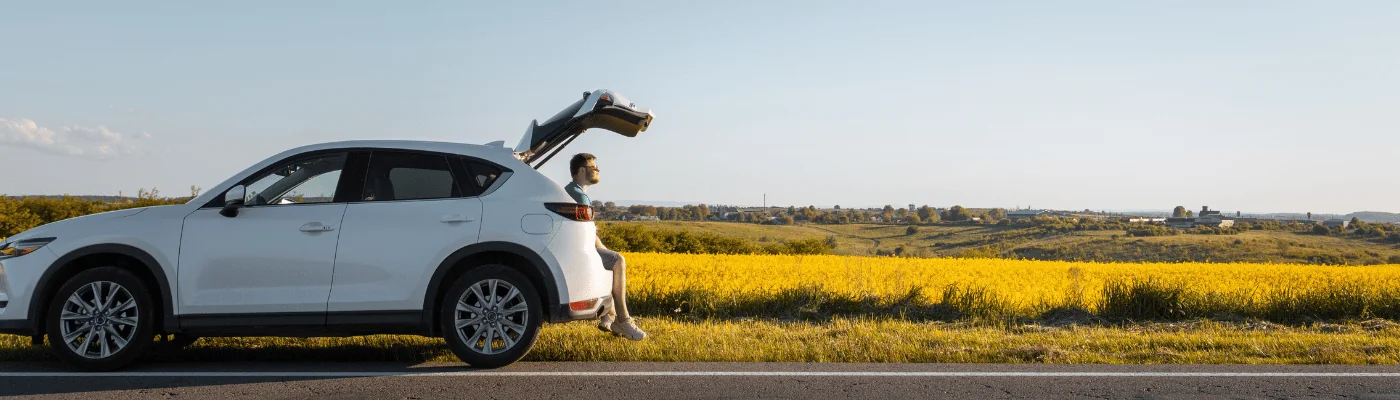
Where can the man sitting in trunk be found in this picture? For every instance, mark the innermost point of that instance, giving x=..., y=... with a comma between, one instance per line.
x=614, y=319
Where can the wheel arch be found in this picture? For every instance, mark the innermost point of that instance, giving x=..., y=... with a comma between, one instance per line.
x=128, y=257
x=516, y=256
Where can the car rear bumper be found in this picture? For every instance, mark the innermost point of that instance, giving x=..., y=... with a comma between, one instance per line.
x=580, y=310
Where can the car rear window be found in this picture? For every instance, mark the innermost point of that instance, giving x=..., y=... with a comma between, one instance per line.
x=480, y=174
x=396, y=175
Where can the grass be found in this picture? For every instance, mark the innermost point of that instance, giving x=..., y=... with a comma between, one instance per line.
x=849, y=340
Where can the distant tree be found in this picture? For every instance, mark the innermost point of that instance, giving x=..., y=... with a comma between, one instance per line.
x=1179, y=212
x=15, y=218
x=787, y=219
x=1309, y=215
x=901, y=212
x=838, y=207
x=932, y=216
x=1190, y=214
x=792, y=210
x=831, y=241
x=911, y=230
x=1320, y=229
x=597, y=205
x=957, y=213
x=923, y=212
x=1356, y=222
x=913, y=219
x=996, y=214
x=889, y=209
x=1005, y=222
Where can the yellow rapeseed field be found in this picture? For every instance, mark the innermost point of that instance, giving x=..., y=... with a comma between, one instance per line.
x=1021, y=284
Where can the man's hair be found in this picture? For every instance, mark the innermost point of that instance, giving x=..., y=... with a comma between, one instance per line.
x=579, y=161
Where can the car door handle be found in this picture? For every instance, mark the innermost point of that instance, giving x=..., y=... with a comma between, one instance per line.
x=451, y=218
x=317, y=227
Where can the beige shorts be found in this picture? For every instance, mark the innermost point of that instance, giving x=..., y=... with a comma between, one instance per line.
x=610, y=258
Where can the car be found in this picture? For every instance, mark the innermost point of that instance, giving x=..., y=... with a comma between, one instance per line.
x=467, y=242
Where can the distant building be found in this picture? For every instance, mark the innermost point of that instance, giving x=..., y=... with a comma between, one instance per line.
x=1024, y=215
x=648, y=218
x=1332, y=223
x=1206, y=217
x=1147, y=220
x=1181, y=222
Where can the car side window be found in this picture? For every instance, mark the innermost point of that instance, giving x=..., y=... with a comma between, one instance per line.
x=480, y=175
x=395, y=175
x=304, y=180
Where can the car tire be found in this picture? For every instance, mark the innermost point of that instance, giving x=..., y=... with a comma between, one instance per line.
x=475, y=320
x=100, y=319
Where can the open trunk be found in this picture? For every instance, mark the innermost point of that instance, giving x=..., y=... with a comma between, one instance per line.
x=603, y=109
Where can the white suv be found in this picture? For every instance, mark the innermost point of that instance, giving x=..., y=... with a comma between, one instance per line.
x=467, y=242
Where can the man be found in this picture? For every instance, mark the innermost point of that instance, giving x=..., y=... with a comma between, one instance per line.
x=614, y=319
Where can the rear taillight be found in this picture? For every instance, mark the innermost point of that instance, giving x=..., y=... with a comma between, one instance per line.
x=574, y=211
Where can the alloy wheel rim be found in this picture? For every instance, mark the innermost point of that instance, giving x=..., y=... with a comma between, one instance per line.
x=99, y=320
x=491, y=316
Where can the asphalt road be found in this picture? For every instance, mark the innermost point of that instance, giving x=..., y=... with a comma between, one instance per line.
x=701, y=380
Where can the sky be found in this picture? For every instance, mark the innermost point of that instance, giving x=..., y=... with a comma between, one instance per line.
x=1260, y=106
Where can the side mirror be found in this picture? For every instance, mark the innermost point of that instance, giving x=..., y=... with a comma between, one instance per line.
x=233, y=200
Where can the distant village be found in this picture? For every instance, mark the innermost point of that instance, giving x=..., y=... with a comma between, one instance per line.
x=1185, y=219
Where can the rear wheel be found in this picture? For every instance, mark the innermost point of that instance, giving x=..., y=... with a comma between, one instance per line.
x=491, y=316
x=100, y=320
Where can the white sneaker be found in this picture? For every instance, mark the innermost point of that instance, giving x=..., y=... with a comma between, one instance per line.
x=605, y=321
x=625, y=328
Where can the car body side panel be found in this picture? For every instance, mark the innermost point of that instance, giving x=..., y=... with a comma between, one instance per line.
x=389, y=250
x=261, y=261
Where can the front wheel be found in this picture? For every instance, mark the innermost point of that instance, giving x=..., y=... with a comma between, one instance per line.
x=491, y=316
x=101, y=319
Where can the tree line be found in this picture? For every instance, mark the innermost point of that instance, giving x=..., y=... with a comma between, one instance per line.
x=19, y=214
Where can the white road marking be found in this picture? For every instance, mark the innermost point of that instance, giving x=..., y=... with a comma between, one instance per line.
x=814, y=374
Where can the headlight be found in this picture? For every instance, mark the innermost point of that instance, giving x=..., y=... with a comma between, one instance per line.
x=22, y=247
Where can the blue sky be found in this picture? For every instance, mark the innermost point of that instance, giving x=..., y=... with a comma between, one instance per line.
x=1239, y=105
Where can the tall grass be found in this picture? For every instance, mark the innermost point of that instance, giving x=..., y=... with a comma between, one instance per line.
x=1121, y=301
x=814, y=288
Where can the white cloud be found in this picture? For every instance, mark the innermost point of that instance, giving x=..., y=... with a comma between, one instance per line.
x=77, y=141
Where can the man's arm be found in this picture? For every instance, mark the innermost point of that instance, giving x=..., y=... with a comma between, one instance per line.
x=599, y=242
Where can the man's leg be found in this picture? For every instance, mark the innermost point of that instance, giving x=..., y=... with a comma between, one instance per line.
x=619, y=291
x=623, y=325
x=606, y=316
